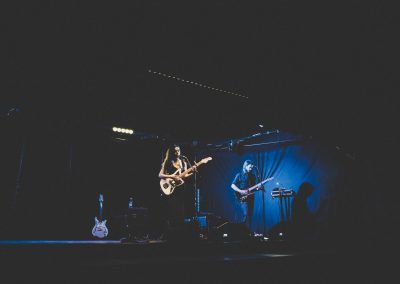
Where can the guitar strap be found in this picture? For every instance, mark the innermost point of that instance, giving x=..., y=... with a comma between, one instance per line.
x=172, y=169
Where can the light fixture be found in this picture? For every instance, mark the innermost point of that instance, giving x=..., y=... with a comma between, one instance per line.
x=123, y=130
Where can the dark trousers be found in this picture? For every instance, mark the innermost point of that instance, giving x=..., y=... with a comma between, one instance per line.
x=247, y=212
x=175, y=209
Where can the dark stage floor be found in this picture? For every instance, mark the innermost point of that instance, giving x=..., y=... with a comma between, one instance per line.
x=156, y=261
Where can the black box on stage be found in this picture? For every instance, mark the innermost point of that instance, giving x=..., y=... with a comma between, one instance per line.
x=212, y=227
x=230, y=232
x=137, y=222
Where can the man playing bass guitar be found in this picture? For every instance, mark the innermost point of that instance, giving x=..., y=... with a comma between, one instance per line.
x=244, y=180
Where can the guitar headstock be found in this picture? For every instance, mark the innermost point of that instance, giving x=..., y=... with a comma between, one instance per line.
x=101, y=197
x=205, y=160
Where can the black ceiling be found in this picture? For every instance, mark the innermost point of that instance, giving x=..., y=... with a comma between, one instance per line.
x=324, y=69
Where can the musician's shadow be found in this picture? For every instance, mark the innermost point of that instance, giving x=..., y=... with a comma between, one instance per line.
x=304, y=222
x=301, y=224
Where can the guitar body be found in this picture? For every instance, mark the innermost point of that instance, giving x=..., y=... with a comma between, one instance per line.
x=168, y=185
x=100, y=229
x=242, y=197
x=252, y=190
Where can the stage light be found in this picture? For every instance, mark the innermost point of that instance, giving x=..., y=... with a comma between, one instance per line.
x=225, y=235
x=261, y=126
x=123, y=130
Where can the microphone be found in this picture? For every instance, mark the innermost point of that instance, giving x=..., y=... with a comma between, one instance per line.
x=182, y=156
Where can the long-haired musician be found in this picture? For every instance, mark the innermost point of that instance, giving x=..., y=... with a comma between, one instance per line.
x=240, y=184
x=172, y=167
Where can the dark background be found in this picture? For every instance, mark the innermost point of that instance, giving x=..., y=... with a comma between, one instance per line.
x=73, y=70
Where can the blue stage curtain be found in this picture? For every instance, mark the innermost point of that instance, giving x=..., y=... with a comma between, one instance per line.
x=294, y=163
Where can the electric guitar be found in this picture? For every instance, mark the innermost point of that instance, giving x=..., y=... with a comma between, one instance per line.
x=168, y=185
x=100, y=229
x=251, y=190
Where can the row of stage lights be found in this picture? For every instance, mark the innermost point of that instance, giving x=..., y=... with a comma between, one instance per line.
x=123, y=130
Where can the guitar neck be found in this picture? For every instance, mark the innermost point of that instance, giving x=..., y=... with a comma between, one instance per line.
x=101, y=211
x=203, y=161
x=258, y=184
x=189, y=170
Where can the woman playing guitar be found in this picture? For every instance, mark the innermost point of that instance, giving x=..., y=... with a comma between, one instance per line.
x=172, y=168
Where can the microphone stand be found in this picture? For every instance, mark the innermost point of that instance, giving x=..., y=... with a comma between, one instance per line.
x=197, y=194
x=263, y=206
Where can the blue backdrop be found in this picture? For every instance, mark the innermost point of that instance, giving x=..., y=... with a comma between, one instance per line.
x=294, y=163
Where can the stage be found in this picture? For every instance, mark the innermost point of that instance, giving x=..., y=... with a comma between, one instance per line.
x=155, y=261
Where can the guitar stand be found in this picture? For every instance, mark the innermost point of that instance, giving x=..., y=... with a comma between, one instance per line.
x=285, y=217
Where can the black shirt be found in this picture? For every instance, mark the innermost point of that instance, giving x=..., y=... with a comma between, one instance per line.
x=170, y=169
x=244, y=180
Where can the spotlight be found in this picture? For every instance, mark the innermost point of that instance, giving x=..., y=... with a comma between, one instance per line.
x=123, y=130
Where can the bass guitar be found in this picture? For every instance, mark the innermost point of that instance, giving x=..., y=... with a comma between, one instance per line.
x=168, y=185
x=251, y=190
x=100, y=229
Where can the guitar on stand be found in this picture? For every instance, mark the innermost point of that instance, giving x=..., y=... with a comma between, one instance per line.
x=100, y=229
x=252, y=190
x=168, y=185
